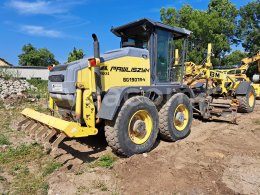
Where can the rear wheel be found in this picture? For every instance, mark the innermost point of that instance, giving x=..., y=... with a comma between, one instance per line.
x=247, y=102
x=135, y=128
x=175, y=118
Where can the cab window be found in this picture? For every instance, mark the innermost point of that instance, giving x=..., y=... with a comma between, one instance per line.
x=164, y=41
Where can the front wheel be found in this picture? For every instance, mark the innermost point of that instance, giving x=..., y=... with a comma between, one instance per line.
x=247, y=102
x=135, y=128
x=175, y=118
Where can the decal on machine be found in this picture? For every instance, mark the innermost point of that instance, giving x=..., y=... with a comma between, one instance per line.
x=124, y=69
x=133, y=79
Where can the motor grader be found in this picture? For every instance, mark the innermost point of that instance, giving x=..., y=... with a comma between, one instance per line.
x=241, y=73
x=220, y=84
x=129, y=91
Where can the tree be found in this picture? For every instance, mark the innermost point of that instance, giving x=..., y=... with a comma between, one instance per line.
x=249, y=26
x=217, y=25
x=32, y=56
x=234, y=58
x=76, y=54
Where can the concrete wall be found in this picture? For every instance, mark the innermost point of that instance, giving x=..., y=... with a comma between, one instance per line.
x=27, y=72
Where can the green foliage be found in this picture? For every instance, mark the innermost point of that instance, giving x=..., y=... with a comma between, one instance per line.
x=234, y=58
x=76, y=54
x=249, y=26
x=50, y=167
x=4, y=140
x=32, y=56
x=42, y=88
x=5, y=74
x=217, y=25
x=253, y=69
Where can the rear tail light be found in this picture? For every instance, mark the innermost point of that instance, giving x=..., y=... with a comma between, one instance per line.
x=92, y=62
x=50, y=68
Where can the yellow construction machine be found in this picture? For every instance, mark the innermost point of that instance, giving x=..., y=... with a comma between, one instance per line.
x=241, y=73
x=220, y=84
x=130, y=91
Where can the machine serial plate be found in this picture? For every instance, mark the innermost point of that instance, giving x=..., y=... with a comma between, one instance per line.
x=57, y=87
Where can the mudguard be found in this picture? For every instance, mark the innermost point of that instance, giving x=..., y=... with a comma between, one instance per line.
x=113, y=98
x=242, y=88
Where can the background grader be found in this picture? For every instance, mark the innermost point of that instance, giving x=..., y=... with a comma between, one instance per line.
x=131, y=92
x=248, y=71
x=221, y=84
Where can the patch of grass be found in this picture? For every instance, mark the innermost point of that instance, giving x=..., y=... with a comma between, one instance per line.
x=1, y=104
x=21, y=154
x=79, y=172
x=5, y=120
x=4, y=140
x=106, y=161
x=82, y=190
x=50, y=167
x=5, y=74
x=2, y=178
x=98, y=184
x=115, y=193
x=40, y=108
x=28, y=183
x=29, y=166
x=257, y=121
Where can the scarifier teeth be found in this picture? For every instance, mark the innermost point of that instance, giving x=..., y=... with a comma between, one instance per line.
x=30, y=125
x=40, y=134
x=22, y=123
x=50, y=138
x=59, y=139
x=33, y=130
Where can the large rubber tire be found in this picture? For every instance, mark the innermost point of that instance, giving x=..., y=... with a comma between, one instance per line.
x=117, y=131
x=167, y=127
x=244, y=101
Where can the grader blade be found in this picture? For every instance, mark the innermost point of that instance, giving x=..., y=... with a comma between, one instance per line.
x=224, y=111
x=51, y=131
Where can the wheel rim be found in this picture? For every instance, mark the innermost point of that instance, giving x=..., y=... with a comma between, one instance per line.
x=140, y=127
x=181, y=117
x=251, y=99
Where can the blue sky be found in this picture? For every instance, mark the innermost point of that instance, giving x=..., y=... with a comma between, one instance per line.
x=60, y=25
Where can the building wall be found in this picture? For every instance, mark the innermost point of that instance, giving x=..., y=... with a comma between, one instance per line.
x=3, y=63
x=27, y=72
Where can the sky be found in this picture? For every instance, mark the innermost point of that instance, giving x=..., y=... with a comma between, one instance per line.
x=60, y=25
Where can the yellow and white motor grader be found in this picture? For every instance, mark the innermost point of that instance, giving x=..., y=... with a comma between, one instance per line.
x=130, y=91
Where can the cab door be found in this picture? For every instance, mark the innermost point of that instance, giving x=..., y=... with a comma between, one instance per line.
x=163, y=55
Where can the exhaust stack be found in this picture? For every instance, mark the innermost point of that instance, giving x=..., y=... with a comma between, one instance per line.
x=96, y=46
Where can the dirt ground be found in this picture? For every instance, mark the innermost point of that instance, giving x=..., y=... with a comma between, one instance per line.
x=216, y=158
